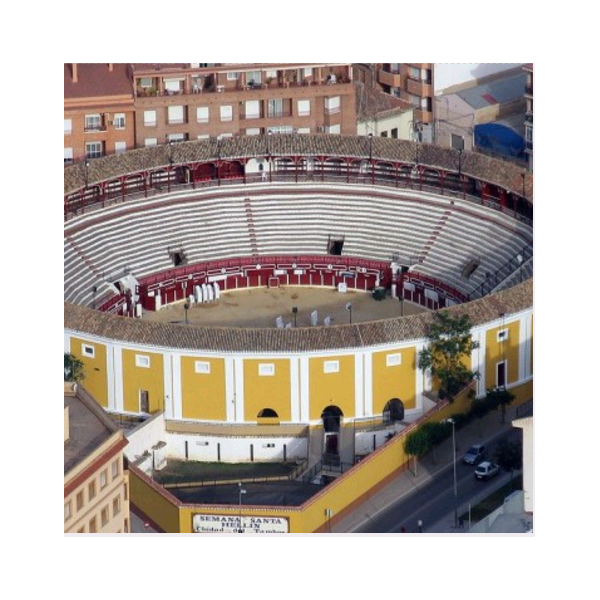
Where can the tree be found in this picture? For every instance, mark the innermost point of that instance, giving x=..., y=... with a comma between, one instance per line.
x=509, y=456
x=417, y=444
x=500, y=397
x=74, y=368
x=450, y=346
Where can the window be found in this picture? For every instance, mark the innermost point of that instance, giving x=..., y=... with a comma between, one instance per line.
x=93, y=150
x=253, y=78
x=91, y=489
x=103, y=479
x=332, y=105
x=68, y=156
x=252, y=109
x=93, y=122
x=79, y=500
x=176, y=137
x=334, y=129
x=226, y=113
x=303, y=108
x=202, y=114
x=142, y=361
x=114, y=469
x=201, y=367
x=303, y=129
x=104, y=516
x=275, y=107
x=272, y=74
x=253, y=131
x=87, y=350
x=502, y=335
x=331, y=366
x=150, y=118
x=173, y=85
x=414, y=73
x=393, y=360
x=146, y=82
x=93, y=527
x=175, y=114
x=119, y=121
x=232, y=76
x=266, y=369
x=68, y=126
x=150, y=142
x=67, y=510
x=307, y=72
x=120, y=147
x=116, y=506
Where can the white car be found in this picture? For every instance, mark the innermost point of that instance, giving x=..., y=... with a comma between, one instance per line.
x=486, y=470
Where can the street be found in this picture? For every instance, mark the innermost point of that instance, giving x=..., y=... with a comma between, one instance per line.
x=432, y=502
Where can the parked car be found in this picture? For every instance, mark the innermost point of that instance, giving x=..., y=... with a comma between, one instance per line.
x=475, y=454
x=486, y=470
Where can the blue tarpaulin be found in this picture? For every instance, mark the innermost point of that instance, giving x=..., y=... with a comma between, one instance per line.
x=499, y=139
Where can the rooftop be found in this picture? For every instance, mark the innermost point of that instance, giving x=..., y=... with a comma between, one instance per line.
x=89, y=426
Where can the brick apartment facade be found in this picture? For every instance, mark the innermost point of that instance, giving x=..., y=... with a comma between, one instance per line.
x=111, y=108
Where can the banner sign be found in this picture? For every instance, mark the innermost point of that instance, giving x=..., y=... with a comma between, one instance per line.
x=231, y=524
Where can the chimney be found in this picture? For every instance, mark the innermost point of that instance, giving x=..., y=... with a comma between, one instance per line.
x=110, y=66
x=74, y=72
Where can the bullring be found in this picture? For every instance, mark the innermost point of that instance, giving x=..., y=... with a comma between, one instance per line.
x=300, y=210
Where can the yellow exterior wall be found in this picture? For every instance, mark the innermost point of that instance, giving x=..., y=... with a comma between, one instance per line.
x=141, y=378
x=173, y=517
x=335, y=389
x=496, y=351
x=394, y=382
x=203, y=394
x=267, y=391
x=96, y=378
x=163, y=509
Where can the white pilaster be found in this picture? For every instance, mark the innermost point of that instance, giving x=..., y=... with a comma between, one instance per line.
x=304, y=390
x=359, y=360
x=118, y=377
x=294, y=390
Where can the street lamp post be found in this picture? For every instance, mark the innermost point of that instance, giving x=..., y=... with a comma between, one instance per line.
x=186, y=307
x=295, y=311
x=349, y=309
x=455, y=481
x=241, y=492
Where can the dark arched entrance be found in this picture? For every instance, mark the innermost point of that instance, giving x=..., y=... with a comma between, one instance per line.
x=332, y=417
x=393, y=411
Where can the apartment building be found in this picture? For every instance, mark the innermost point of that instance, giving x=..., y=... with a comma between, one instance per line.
x=98, y=110
x=181, y=102
x=96, y=481
x=529, y=115
x=111, y=108
x=412, y=83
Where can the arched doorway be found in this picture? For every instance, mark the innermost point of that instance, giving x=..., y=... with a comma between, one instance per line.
x=332, y=417
x=393, y=411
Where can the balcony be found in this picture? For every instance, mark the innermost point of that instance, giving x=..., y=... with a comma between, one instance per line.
x=418, y=87
x=390, y=79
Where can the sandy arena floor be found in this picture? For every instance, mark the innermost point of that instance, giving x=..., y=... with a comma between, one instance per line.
x=260, y=307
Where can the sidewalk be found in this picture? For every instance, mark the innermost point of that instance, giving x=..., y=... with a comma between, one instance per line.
x=477, y=432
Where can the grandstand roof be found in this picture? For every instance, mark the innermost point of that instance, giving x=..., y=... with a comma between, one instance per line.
x=502, y=173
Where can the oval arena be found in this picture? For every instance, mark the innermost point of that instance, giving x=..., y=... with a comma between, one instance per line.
x=352, y=242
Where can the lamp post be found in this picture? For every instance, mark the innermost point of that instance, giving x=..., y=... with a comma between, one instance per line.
x=420, y=525
x=455, y=481
x=241, y=493
x=186, y=307
x=349, y=309
x=295, y=311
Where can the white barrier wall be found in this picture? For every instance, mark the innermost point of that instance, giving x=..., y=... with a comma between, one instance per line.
x=234, y=449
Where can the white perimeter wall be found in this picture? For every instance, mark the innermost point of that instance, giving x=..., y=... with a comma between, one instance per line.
x=235, y=449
